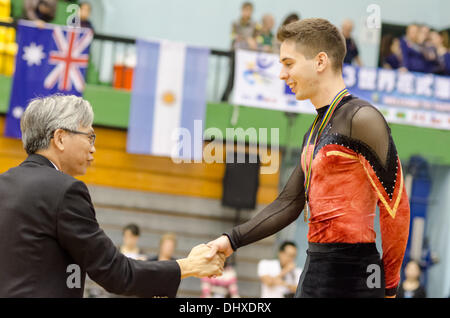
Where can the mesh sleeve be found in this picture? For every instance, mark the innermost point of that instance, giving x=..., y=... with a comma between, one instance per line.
x=369, y=126
x=280, y=213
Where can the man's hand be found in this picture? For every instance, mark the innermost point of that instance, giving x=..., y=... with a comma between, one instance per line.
x=199, y=264
x=40, y=24
x=288, y=268
x=221, y=245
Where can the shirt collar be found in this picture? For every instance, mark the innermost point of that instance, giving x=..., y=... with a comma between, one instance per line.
x=53, y=164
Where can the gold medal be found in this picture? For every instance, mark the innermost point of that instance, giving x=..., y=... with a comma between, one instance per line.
x=306, y=212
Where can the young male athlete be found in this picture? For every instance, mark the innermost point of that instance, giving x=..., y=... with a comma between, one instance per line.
x=349, y=164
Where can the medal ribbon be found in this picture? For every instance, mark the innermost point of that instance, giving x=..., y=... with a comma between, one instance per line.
x=336, y=100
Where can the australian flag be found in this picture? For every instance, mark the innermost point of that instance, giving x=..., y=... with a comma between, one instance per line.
x=49, y=60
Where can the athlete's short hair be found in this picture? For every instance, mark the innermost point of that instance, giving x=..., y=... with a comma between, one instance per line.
x=316, y=35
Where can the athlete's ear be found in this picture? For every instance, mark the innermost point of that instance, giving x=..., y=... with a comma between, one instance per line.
x=321, y=61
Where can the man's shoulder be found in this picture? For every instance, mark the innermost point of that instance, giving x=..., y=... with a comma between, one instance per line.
x=40, y=176
x=356, y=101
x=354, y=104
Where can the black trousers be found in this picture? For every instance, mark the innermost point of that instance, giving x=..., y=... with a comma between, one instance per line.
x=341, y=270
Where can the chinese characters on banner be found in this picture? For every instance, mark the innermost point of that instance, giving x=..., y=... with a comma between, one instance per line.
x=407, y=98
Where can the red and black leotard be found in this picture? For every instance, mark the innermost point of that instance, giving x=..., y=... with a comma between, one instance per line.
x=355, y=167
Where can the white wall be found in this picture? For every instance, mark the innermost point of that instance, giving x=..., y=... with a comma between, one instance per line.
x=207, y=22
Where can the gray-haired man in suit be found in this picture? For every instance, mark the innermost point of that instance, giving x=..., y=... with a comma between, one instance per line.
x=47, y=220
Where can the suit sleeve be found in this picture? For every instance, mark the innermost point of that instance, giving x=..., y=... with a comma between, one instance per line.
x=79, y=233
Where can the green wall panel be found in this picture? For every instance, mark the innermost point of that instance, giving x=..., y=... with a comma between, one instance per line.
x=5, y=89
x=111, y=108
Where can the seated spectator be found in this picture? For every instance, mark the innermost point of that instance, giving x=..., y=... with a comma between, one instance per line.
x=243, y=32
x=411, y=286
x=443, y=54
x=264, y=37
x=413, y=58
x=129, y=248
x=130, y=240
x=428, y=49
x=85, y=14
x=292, y=17
x=352, y=50
x=40, y=11
x=224, y=286
x=279, y=277
x=390, y=52
x=167, y=246
x=244, y=29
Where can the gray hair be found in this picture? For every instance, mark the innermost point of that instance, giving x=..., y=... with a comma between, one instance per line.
x=44, y=115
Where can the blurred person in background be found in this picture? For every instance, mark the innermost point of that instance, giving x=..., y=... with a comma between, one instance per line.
x=243, y=36
x=411, y=286
x=413, y=58
x=85, y=14
x=167, y=246
x=442, y=52
x=391, y=53
x=429, y=51
x=292, y=17
x=423, y=34
x=243, y=30
x=130, y=239
x=265, y=37
x=224, y=286
x=352, y=50
x=40, y=11
x=279, y=277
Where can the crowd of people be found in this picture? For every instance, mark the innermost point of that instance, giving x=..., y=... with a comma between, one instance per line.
x=249, y=34
x=246, y=33
x=421, y=49
x=44, y=11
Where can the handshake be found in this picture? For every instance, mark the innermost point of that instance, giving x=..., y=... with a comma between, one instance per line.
x=206, y=260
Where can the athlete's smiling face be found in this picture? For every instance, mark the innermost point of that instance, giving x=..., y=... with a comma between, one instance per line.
x=299, y=72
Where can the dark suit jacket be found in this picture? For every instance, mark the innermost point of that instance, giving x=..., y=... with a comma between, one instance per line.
x=47, y=222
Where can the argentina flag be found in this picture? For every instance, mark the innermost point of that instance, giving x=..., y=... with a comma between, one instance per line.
x=169, y=94
x=50, y=60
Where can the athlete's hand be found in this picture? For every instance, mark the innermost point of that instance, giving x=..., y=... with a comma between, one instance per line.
x=222, y=245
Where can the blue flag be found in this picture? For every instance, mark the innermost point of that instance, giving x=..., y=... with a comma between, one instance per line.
x=49, y=60
x=168, y=102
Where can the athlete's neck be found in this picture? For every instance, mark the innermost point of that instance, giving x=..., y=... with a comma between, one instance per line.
x=327, y=91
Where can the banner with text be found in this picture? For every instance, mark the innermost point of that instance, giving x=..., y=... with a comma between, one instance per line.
x=403, y=97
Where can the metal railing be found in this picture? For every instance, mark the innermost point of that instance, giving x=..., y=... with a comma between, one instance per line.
x=106, y=50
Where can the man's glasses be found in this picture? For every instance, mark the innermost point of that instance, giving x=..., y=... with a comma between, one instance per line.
x=91, y=136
